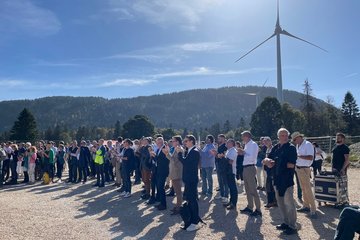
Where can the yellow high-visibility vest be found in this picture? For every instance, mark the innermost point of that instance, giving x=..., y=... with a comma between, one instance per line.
x=99, y=158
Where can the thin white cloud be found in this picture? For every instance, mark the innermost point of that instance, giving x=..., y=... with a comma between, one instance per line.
x=351, y=75
x=185, y=13
x=11, y=83
x=203, y=46
x=204, y=71
x=127, y=82
x=174, y=53
x=23, y=16
x=45, y=63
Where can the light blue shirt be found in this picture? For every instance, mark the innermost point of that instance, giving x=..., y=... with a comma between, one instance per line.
x=207, y=159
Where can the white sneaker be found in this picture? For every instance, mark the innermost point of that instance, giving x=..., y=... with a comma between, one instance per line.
x=127, y=195
x=123, y=194
x=218, y=197
x=193, y=227
x=59, y=181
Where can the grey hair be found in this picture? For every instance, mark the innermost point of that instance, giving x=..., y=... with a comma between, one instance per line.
x=283, y=130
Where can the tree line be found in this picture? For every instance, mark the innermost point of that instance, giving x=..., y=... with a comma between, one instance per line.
x=269, y=116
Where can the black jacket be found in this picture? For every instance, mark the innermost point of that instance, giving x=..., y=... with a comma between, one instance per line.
x=190, y=166
x=162, y=164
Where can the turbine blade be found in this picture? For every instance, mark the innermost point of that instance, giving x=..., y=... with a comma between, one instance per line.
x=290, y=35
x=265, y=81
x=261, y=89
x=278, y=18
x=255, y=48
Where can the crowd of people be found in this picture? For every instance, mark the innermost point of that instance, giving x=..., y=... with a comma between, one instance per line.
x=171, y=165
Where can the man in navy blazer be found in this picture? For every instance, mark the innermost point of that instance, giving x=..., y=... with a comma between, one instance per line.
x=190, y=161
x=162, y=172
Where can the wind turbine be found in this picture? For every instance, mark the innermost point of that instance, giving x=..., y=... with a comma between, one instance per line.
x=278, y=31
x=257, y=94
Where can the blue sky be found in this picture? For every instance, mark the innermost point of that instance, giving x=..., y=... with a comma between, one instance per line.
x=121, y=48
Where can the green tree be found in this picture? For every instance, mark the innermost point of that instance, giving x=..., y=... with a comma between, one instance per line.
x=117, y=130
x=81, y=133
x=168, y=133
x=137, y=127
x=56, y=133
x=227, y=126
x=334, y=118
x=266, y=119
x=215, y=129
x=292, y=119
x=308, y=107
x=185, y=132
x=242, y=123
x=351, y=115
x=24, y=128
x=48, y=135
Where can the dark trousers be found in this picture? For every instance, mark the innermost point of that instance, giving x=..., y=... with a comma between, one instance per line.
x=125, y=174
x=50, y=170
x=239, y=168
x=26, y=177
x=70, y=165
x=14, y=174
x=100, y=174
x=92, y=168
x=270, y=191
x=348, y=225
x=160, y=188
x=137, y=170
x=6, y=169
x=299, y=191
x=82, y=172
x=1, y=174
x=38, y=170
x=232, y=188
x=109, y=173
x=153, y=183
x=191, y=197
x=74, y=170
x=59, y=168
x=317, y=166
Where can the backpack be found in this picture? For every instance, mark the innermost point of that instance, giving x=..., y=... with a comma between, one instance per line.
x=185, y=213
x=46, y=178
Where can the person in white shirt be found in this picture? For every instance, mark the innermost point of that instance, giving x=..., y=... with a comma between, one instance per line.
x=305, y=154
x=231, y=156
x=250, y=153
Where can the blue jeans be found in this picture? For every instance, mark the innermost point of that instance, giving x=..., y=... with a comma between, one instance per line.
x=207, y=180
x=224, y=189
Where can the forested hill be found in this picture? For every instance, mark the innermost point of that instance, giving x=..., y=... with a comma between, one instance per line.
x=191, y=109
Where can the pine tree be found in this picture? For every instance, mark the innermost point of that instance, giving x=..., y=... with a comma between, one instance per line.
x=308, y=109
x=227, y=126
x=351, y=114
x=24, y=128
x=117, y=130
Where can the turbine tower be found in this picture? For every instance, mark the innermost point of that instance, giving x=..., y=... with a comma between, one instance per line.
x=278, y=31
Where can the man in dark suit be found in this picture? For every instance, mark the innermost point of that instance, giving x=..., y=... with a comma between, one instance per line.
x=162, y=172
x=84, y=159
x=190, y=161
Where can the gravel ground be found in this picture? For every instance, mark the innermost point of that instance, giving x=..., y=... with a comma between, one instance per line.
x=62, y=211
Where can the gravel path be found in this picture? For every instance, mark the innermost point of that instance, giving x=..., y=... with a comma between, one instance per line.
x=62, y=211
